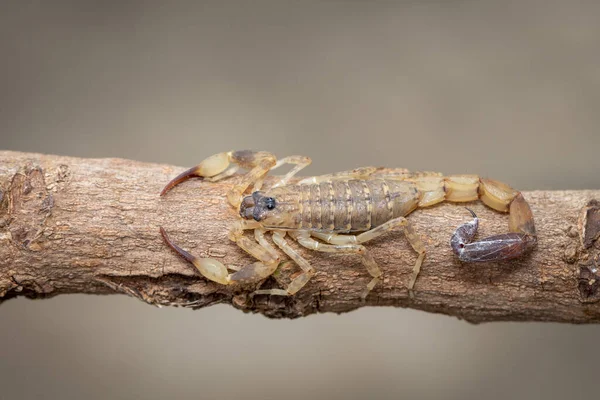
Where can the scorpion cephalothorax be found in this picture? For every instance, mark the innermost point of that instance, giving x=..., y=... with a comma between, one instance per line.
x=339, y=212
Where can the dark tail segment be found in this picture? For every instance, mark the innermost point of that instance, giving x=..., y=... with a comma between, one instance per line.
x=506, y=246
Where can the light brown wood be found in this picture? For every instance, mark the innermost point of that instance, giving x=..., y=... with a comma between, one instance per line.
x=71, y=225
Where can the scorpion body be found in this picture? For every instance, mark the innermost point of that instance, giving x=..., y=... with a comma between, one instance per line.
x=339, y=206
x=339, y=212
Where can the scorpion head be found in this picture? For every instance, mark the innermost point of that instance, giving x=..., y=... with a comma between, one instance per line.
x=257, y=206
x=270, y=209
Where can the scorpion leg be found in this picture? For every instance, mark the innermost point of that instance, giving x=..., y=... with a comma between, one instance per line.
x=402, y=174
x=430, y=184
x=268, y=259
x=259, y=235
x=370, y=173
x=298, y=282
x=300, y=162
x=409, y=232
x=304, y=239
x=357, y=173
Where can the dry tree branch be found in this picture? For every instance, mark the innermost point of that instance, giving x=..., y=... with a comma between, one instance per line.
x=70, y=225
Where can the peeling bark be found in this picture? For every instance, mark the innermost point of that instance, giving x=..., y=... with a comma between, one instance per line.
x=70, y=225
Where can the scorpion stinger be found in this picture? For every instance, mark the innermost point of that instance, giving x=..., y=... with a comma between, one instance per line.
x=506, y=246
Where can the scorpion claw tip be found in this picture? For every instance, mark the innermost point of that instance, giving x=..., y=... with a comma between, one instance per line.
x=178, y=249
x=168, y=187
x=184, y=176
x=163, y=233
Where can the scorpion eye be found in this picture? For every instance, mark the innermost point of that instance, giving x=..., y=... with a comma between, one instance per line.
x=270, y=203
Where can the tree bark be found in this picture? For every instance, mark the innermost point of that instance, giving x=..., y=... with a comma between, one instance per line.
x=70, y=225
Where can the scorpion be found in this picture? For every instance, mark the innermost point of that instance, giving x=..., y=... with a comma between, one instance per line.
x=340, y=212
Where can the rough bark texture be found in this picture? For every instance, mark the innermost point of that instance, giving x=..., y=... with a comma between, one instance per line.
x=70, y=225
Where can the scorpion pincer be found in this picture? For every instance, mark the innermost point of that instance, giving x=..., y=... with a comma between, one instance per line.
x=338, y=213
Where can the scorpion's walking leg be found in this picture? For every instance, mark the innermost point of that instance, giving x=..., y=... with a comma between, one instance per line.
x=409, y=232
x=370, y=173
x=357, y=173
x=304, y=239
x=299, y=281
x=259, y=235
x=300, y=162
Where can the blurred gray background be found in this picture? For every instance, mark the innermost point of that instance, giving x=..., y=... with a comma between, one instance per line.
x=511, y=91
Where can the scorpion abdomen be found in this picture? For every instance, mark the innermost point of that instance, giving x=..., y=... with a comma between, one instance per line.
x=354, y=205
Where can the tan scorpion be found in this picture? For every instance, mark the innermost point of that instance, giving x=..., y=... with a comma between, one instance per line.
x=338, y=213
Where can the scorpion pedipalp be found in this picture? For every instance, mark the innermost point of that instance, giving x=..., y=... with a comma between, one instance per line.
x=217, y=167
x=217, y=272
x=210, y=167
x=209, y=268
